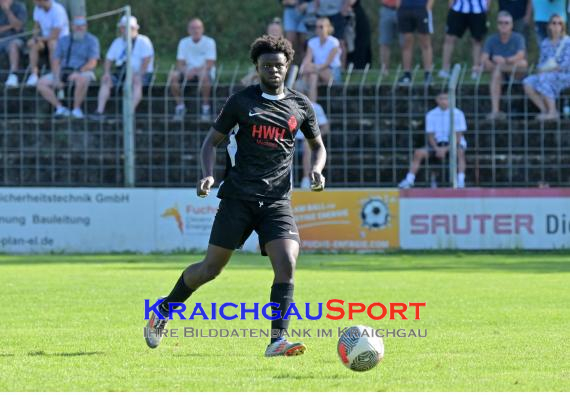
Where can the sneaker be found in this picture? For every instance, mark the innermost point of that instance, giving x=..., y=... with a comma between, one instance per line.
x=179, y=113
x=77, y=113
x=32, y=80
x=61, y=112
x=405, y=184
x=405, y=80
x=306, y=183
x=153, y=332
x=11, y=81
x=97, y=116
x=444, y=74
x=428, y=79
x=205, y=116
x=282, y=347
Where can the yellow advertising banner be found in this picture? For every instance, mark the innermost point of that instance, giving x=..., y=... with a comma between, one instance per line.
x=348, y=220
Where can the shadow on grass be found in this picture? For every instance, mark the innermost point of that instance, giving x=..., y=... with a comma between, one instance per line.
x=427, y=261
x=64, y=354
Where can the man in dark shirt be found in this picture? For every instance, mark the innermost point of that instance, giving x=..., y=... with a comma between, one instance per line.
x=256, y=190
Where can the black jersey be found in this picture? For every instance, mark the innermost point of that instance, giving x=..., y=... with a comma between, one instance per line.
x=265, y=141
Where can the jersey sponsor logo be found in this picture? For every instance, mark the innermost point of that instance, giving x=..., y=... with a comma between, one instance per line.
x=267, y=135
x=292, y=122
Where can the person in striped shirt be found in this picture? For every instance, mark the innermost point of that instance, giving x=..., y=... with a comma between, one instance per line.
x=464, y=14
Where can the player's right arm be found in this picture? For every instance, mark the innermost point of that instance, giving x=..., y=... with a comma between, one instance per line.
x=208, y=159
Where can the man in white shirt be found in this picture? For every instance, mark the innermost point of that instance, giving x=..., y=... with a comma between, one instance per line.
x=195, y=61
x=50, y=24
x=142, y=63
x=438, y=134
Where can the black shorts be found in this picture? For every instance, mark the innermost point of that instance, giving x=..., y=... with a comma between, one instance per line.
x=411, y=20
x=236, y=219
x=458, y=22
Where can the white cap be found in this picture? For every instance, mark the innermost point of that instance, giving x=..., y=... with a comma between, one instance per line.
x=123, y=22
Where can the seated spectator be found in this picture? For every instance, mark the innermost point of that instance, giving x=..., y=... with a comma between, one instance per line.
x=195, y=61
x=74, y=62
x=554, y=70
x=387, y=31
x=335, y=11
x=543, y=10
x=438, y=136
x=521, y=11
x=274, y=29
x=322, y=59
x=415, y=16
x=51, y=23
x=504, y=53
x=464, y=14
x=142, y=64
x=13, y=17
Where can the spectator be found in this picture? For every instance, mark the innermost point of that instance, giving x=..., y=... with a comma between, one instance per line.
x=335, y=11
x=142, y=64
x=521, y=11
x=274, y=29
x=322, y=59
x=195, y=61
x=294, y=24
x=74, y=7
x=438, y=135
x=554, y=70
x=465, y=14
x=359, y=52
x=75, y=59
x=543, y=10
x=13, y=17
x=504, y=53
x=387, y=31
x=51, y=23
x=415, y=16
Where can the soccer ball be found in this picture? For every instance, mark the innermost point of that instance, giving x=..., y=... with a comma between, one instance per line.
x=375, y=214
x=359, y=349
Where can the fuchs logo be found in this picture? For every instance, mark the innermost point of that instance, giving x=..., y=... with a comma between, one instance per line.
x=175, y=213
x=292, y=122
x=375, y=214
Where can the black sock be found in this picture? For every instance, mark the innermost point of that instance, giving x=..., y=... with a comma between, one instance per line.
x=282, y=294
x=179, y=294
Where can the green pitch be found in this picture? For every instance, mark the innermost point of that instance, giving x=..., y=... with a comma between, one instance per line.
x=494, y=323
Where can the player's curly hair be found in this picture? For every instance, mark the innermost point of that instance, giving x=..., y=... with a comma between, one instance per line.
x=269, y=44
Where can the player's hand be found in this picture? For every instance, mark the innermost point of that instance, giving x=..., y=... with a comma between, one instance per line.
x=317, y=181
x=204, y=186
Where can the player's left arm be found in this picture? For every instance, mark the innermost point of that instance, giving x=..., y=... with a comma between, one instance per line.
x=208, y=159
x=319, y=155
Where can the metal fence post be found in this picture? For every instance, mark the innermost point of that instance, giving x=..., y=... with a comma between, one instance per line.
x=453, y=138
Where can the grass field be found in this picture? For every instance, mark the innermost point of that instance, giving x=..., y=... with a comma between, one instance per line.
x=494, y=323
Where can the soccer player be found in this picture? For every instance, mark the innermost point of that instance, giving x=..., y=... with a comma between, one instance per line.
x=256, y=191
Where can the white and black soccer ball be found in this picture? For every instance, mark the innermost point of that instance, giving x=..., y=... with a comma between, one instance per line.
x=375, y=214
x=359, y=349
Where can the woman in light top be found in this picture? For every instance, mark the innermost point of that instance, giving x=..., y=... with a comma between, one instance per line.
x=543, y=88
x=322, y=59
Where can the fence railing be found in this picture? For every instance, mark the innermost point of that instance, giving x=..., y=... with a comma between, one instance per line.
x=375, y=127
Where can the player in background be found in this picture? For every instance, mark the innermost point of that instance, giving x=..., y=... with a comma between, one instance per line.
x=256, y=191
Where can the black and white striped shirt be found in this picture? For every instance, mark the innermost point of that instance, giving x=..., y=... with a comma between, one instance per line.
x=470, y=6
